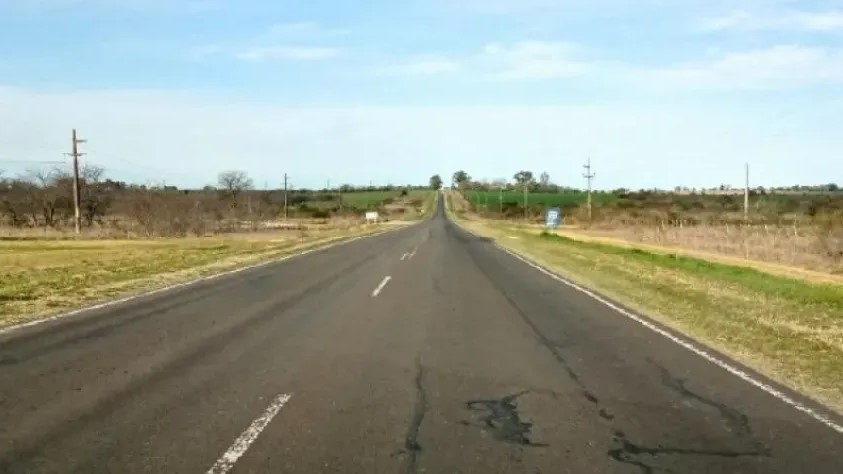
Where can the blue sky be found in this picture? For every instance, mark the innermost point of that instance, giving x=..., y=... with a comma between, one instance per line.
x=658, y=93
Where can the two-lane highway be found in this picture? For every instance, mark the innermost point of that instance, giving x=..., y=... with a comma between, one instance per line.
x=425, y=349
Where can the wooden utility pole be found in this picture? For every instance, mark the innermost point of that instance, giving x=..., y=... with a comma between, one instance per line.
x=746, y=196
x=589, y=176
x=526, y=199
x=77, y=199
x=500, y=200
x=286, y=213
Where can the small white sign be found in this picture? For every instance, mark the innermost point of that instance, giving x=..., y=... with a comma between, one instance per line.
x=371, y=216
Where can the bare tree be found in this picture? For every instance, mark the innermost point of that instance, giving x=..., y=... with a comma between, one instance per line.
x=94, y=199
x=233, y=183
x=43, y=195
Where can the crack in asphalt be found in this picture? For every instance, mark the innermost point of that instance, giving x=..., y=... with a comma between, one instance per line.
x=623, y=450
x=411, y=441
x=738, y=422
x=504, y=420
x=628, y=452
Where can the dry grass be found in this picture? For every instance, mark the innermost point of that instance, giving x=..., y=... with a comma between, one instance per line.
x=607, y=238
x=808, y=247
x=789, y=329
x=40, y=276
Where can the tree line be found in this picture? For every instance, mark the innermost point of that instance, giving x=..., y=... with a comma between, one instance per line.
x=523, y=178
x=44, y=199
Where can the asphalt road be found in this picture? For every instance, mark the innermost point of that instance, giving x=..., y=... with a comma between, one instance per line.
x=464, y=360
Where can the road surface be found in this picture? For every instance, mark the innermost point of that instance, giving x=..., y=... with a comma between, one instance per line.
x=421, y=350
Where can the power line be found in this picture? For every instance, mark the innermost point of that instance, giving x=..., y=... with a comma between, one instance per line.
x=34, y=162
x=526, y=199
x=746, y=196
x=286, y=213
x=589, y=176
x=77, y=204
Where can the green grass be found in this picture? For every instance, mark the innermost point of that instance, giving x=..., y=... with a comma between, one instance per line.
x=375, y=199
x=368, y=199
x=568, y=199
x=789, y=329
x=750, y=278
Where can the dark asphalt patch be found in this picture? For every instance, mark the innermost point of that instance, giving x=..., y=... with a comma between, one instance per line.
x=503, y=419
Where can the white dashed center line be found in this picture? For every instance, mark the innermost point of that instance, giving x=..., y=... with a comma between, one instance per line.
x=242, y=443
x=381, y=286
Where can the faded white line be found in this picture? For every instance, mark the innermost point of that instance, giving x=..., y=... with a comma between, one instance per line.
x=743, y=375
x=381, y=286
x=413, y=253
x=330, y=244
x=404, y=256
x=242, y=443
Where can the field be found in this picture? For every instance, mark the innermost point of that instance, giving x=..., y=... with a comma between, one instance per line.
x=788, y=327
x=796, y=229
x=118, y=209
x=376, y=199
x=492, y=201
x=42, y=276
x=134, y=238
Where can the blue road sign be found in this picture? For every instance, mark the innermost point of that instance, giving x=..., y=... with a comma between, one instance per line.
x=552, y=217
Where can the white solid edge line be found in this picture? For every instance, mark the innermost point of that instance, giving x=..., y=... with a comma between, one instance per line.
x=319, y=248
x=381, y=286
x=242, y=443
x=778, y=394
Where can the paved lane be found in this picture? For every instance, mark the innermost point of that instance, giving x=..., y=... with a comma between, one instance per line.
x=463, y=360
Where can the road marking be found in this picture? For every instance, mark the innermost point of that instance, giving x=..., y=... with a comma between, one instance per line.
x=242, y=443
x=743, y=375
x=404, y=256
x=381, y=286
x=319, y=248
x=413, y=254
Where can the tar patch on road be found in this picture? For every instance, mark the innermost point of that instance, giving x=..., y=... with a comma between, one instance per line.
x=503, y=420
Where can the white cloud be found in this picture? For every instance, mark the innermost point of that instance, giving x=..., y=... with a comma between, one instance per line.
x=425, y=67
x=775, y=67
x=200, y=53
x=282, y=41
x=286, y=52
x=302, y=30
x=531, y=60
x=525, y=60
x=827, y=21
x=146, y=6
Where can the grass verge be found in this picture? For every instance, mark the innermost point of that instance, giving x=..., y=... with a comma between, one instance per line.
x=788, y=329
x=42, y=277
